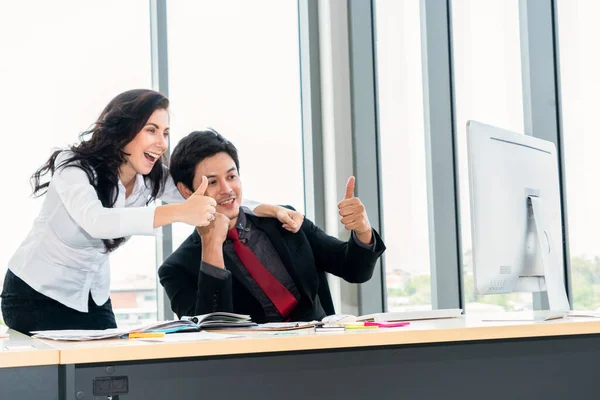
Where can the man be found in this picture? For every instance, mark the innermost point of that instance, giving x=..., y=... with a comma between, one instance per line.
x=248, y=265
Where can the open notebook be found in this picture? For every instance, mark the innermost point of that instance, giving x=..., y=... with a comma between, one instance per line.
x=214, y=320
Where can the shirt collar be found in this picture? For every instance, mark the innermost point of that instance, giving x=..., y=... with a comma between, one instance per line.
x=242, y=221
x=138, y=186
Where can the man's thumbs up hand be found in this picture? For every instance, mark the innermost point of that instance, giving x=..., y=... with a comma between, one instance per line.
x=353, y=213
x=199, y=210
x=350, y=188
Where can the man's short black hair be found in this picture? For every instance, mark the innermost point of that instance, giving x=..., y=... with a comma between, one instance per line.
x=194, y=148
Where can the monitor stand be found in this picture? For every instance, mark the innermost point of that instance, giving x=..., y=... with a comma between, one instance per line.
x=555, y=288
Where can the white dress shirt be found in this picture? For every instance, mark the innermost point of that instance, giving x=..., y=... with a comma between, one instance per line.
x=63, y=256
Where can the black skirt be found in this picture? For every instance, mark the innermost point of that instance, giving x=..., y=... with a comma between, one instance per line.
x=25, y=310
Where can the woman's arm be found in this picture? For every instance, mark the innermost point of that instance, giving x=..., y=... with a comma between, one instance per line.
x=83, y=205
x=291, y=219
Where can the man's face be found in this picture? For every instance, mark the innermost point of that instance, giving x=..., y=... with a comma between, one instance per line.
x=224, y=184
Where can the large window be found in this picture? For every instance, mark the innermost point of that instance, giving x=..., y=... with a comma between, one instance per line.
x=487, y=74
x=234, y=67
x=580, y=84
x=402, y=152
x=62, y=62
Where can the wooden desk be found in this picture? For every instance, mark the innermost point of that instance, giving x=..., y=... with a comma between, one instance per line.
x=28, y=368
x=463, y=358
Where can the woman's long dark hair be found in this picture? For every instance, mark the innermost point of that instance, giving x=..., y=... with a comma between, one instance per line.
x=101, y=155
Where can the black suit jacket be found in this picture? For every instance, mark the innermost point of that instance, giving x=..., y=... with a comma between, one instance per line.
x=306, y=255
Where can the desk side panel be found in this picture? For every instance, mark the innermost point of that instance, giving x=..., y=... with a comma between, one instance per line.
x=29, y=383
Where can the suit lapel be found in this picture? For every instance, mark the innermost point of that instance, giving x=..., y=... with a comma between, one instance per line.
x=294, y=266
x=230, y=265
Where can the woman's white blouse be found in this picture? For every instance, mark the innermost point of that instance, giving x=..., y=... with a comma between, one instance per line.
x=63, y=256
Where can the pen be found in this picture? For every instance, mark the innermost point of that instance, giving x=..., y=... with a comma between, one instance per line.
x=139, y=335
x=358, y=325
x=385, y=324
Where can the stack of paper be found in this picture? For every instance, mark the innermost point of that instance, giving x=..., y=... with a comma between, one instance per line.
x=274, y=326
x=79, y=335
x=186, y=324
x=395, y=316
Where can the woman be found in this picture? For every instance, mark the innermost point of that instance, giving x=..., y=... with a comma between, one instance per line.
x=97, y=196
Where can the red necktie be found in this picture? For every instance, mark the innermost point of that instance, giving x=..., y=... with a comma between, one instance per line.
x=281, y=298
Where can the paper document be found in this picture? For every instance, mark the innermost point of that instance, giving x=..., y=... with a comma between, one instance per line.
x=77, y=335
x=190, y=337
x=20, y=347
x=273, y=326
x=186, y=324
x=412, y=315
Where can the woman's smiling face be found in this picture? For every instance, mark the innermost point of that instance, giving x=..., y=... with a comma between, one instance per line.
x=149, y=144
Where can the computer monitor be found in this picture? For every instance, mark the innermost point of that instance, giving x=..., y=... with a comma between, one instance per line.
x=516, y=215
